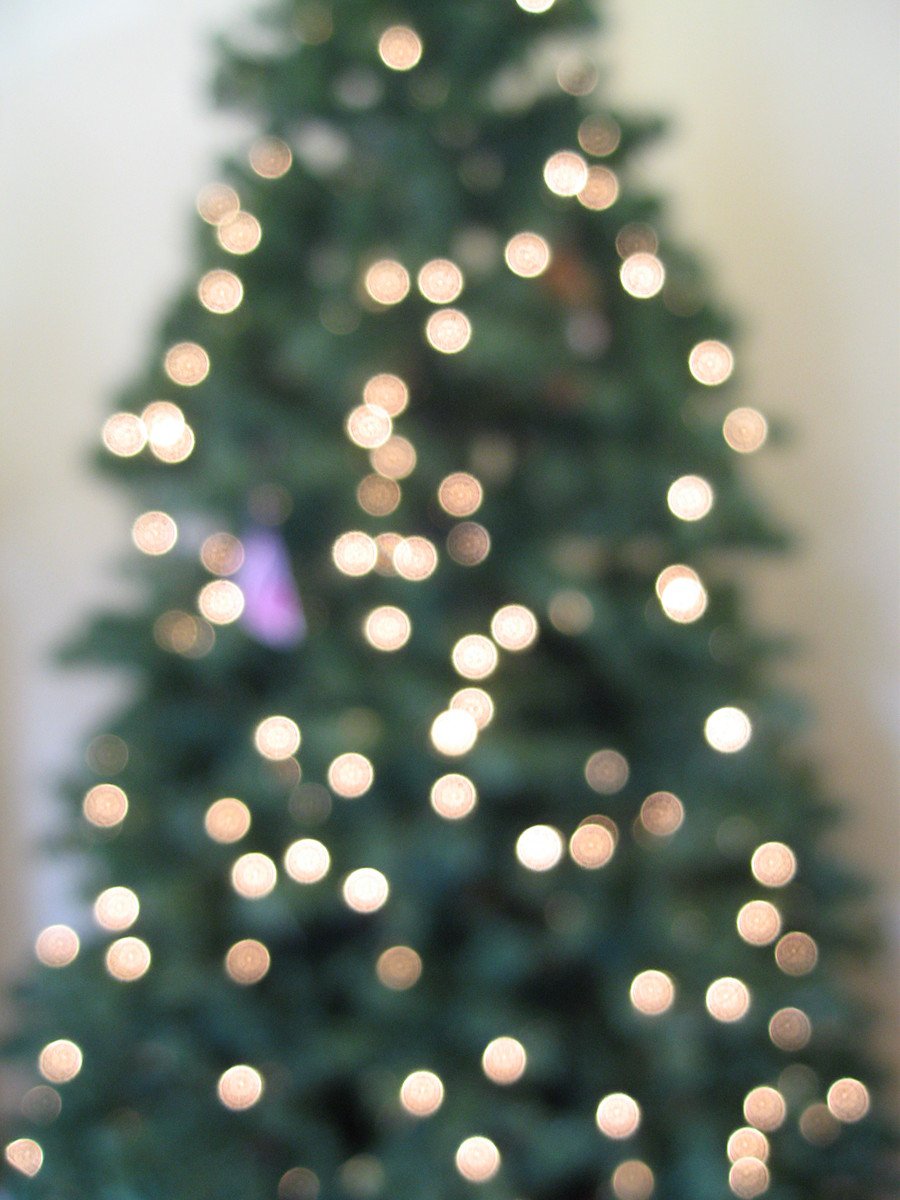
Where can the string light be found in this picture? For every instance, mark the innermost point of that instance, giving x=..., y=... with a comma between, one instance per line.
x=539, y=848
x=454, y=733
x=277, y=738
x=565, y=173
x=727, y=999
x=848, y=1100
x=368, y=426
x=365, y=890
x=727, y=730
x=377, y=495
x=217, y=202
x=527, y=255
x=748, y=1178
x=124, y=434
x=477, y=702
x=247, y=962
x=504, y=1061
x=662, y=814
x=652, y=992
x=468, y=543
x=400, y=48
x=773, y=864
x=354, y=553
x=601, y=189
x=350, y=775
x=599, y=135
x=796, y=954
x=387, y=628
x=759, y=922
x=220, y=291
x=116, y=909
x=633, y=1180
x=270, y=157
x=57, y=946
x=307, y=861
x=745, y=430
x=448, y=331
x=440, y=281
x=240, y=1087
x=765, y=1109
x=592, y=845
x=790, y=1029
x=105, y=805
x=642, y=275
x=460, y=494
x=690, y=498
x=388, y=392
x=128, y=959
x=254, y=875
x=477, y=1159
x=422, y=1093
x=711, y=363
x=514, y=627
x=154, y=533
x=606, y=772
x=221, y=602
x=618, y=1115
x=748, y=1143
x=453, y=797
x=535, y=6
x=186, y=364
x=474, y=656
x=25, y=1156
x=395, y=459
x=399, y=968
x=387, y=281
x=222, y=554
x=240, y=233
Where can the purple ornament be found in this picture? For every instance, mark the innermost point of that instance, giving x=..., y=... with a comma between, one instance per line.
x=273, y=612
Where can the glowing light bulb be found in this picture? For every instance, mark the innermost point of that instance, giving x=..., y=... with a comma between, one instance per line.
x=254, y=875
x=399, y=968
x=217, y=202
x=400, y=48
x=745, y=430
x=728, y=730
x=116, y=909
x=662, y=814
x=514, y=627
x=387, y=282
x=354, y=553
x=454, y=732
x=690, y=498
x=592, y=845
x=565, y=173
x=448, y=330
x=606, y=772
x=642, y=275
x=164, y=423
x=415, y=558
x=453, y=797
x=220, y=291
x=504, y=1061
x=477, y=1159
x=277, y=738
x=759, y=922
x=748, y=1178
x=240, y=233
x=848, y=1100
x=539, y=848
x=105, y=805
x=618, y=1115
x=711, y=363
x=387, y=392
x=527, y=255
x=270, y=157
x=365, y=890
x=377, y=495
x=128, y=959
x=727, y=999
x=247, y=962
x=477, y=702
x=60, y=1061
x=57, y=946
x=535, y=6
x=387, y=628
x=474, y=656
x=350, y=775
x=601, y=189
x=124, y=435
x=307, y=861
x=652, y=992
x=221, y=602
x=460, y=494
x=422, y=1093
x=186, y=364
x=773, y=864
x=240, y=1087
x=368, y=426
x=765, y=1109
x=25, y=1156
x=154, y=533
x=222, y=554
x=748, y=1143
x=440, y=281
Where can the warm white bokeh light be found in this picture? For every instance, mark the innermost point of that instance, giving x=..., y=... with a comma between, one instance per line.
x=422, y=1093
x=727, y=729
x=365, y=890
x=277, y=738
x=307, y=861
x=540, y=847
x=240, y=1087
x=477, y=1159
x=618, y=1115
x=727, y=999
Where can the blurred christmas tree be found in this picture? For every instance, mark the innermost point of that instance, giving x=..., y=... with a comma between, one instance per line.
x=440, y=576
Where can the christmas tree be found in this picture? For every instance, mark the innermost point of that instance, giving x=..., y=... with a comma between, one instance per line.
x=452, y=844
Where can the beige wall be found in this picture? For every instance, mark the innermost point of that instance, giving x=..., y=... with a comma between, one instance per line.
x=782, y=172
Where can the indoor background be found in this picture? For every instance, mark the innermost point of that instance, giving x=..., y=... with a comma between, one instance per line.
x=781, y=168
